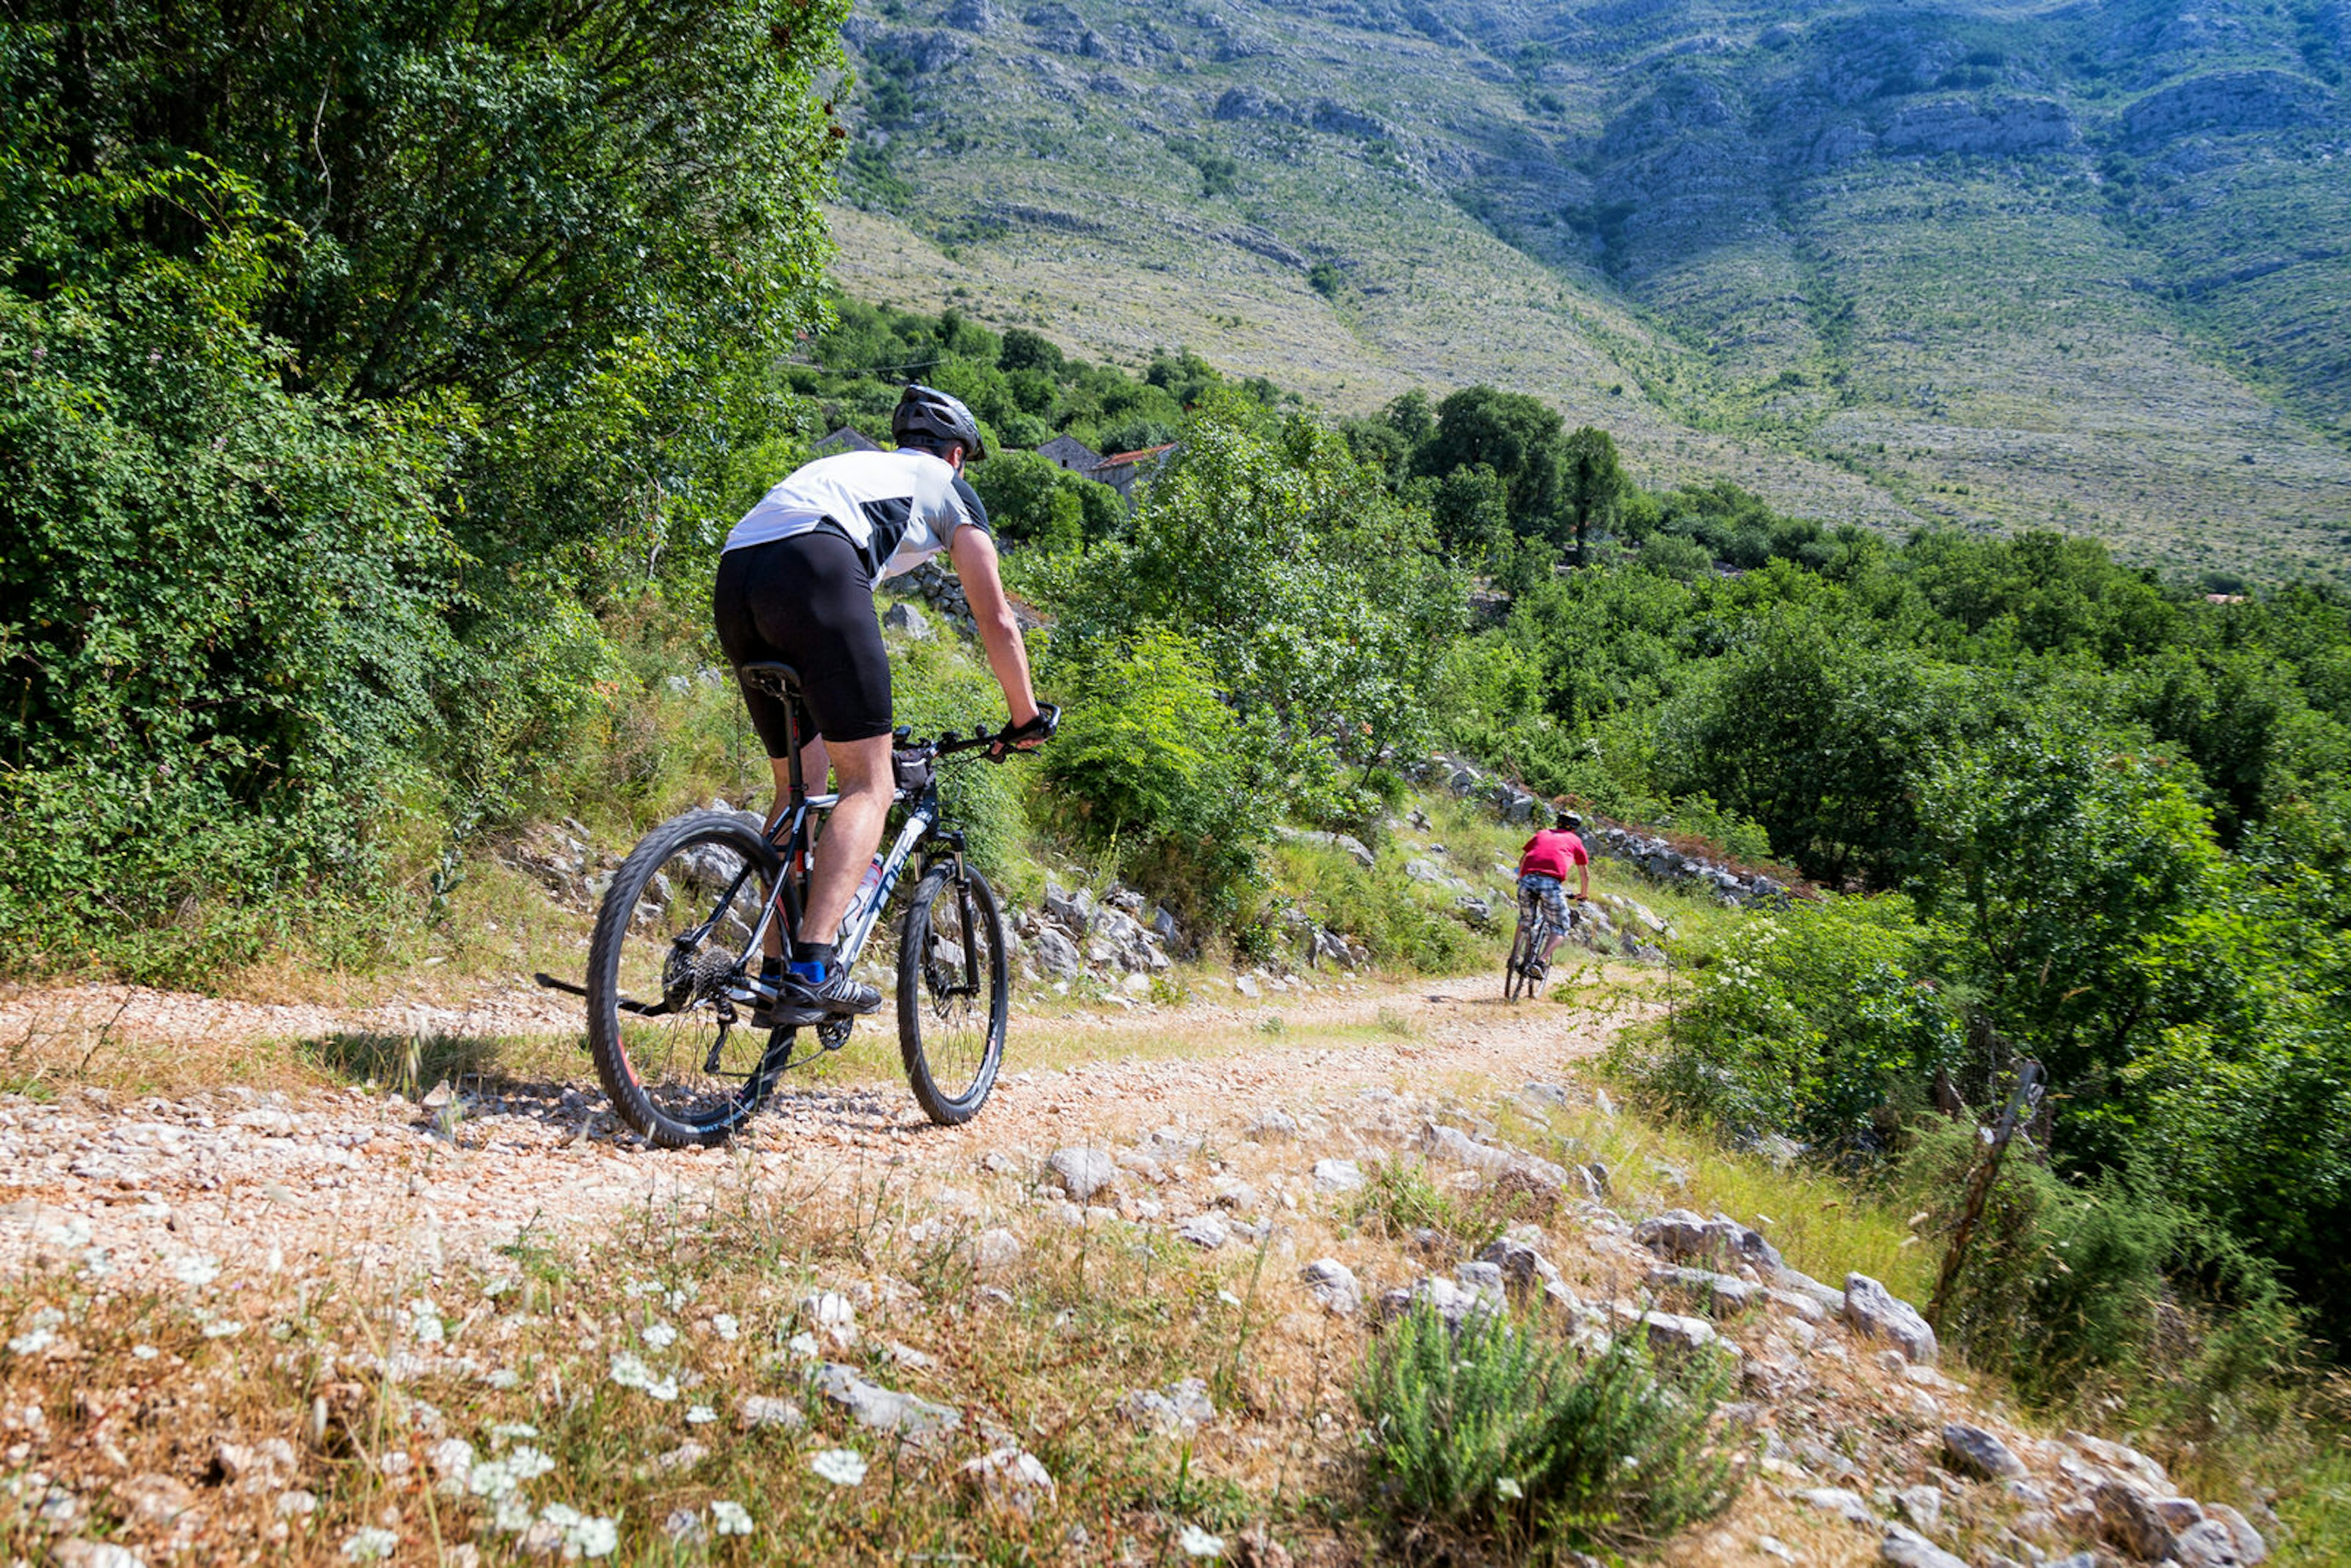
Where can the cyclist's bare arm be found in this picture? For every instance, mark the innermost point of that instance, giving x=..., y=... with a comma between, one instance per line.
x=974, y=554
x=1583, y=879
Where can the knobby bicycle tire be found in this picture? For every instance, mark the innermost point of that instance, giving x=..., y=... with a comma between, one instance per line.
x=1516, y=982
x=954, y=990
x=674, y=1075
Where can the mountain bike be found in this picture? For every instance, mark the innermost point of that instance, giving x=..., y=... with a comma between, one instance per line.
x=681, y=930
x=1534, y=926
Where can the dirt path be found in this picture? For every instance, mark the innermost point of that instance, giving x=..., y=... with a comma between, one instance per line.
x=303, y=1181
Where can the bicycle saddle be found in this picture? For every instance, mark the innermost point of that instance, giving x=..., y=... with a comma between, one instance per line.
x=778, y=681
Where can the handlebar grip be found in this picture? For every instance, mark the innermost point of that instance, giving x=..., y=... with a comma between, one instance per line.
x=1042, y=728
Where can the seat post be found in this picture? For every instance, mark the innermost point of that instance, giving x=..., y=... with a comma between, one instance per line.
x=792, y=740
x=783, y=682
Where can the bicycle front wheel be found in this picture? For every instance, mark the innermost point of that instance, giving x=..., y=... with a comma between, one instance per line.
x=954, y=990
x=673, y=935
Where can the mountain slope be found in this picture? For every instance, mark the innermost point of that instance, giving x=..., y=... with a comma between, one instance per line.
x=1996, y=264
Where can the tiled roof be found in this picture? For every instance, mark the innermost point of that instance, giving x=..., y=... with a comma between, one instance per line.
x=1117, y=459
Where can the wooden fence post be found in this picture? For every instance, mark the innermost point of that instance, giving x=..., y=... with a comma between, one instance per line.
x=2022, y=1103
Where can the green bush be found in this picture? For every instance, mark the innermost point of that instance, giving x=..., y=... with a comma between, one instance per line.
x=2105, y=1297
x=1672, y=555
x=1490, y=1434
x=1378, y=909
x=1032, y=501
x=1813, y=1022
x=1152, y=764
x=225, y=609
x=933, y=688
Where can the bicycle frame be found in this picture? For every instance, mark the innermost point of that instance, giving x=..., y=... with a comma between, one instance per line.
x=790, y=830
x=789, y=835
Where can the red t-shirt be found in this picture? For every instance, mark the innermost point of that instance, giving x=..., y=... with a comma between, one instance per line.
x=1551, y=852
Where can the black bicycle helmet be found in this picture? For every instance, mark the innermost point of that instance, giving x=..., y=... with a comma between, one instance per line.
x=1569, y=822
x=926, y=416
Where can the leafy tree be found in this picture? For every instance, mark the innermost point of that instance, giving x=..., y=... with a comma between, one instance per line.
x=2065, y=855
x=1149, y=760
x=1026, y=351
x=1593, y=482
x=1318, y=601
x=1513, y=434
x=1820, y=741
x=227, y=604
x=1470, y=508
x=286, y=286
x=1032, y=501
x=1411, y=417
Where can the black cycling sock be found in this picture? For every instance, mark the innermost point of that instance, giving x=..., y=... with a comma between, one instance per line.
x=812, y=961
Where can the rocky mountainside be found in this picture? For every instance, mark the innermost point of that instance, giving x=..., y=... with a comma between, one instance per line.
x=2087, y=264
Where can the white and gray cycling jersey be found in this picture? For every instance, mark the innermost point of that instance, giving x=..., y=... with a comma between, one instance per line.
x=899, y=508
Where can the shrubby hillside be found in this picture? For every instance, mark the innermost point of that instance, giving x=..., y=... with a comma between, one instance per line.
x=2078, y=268
x=359, y=495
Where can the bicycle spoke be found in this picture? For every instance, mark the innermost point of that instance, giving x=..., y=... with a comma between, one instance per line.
x=691, y=1056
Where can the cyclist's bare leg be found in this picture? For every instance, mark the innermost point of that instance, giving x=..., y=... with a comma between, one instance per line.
x=813, y=766
x=862, y=773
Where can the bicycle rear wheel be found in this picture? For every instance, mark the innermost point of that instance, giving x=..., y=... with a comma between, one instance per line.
x=1516, y=982
x=954, y=990
x=673, y=935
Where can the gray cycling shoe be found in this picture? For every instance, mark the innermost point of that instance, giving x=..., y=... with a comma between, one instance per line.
x=799, y=1001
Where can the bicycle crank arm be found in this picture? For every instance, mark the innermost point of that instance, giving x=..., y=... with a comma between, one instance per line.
x=643, y=1009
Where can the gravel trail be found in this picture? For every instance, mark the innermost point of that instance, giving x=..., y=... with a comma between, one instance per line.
x=329, y=1177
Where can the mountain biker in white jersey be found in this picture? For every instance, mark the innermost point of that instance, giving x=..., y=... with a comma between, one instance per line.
x=796, y=585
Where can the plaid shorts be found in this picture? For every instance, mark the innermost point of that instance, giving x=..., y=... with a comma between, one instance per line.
x=1543, y=892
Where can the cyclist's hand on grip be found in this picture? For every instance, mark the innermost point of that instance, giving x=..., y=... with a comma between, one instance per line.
x=1026, y=736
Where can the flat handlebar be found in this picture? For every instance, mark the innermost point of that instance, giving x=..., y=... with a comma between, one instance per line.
x=999, y=746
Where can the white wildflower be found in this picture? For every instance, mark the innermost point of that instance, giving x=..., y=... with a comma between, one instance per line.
x=724, y=1326
x=660, y=1335
x=503, y=1377
x=595, y=1536
x=222, y=1328
x=502, y=1478
x=733, y=1519
x=842, y=1467
x=492, y=1479
x=424, y=1322
x=803, y=1345
x=630, y=1372
x=700, y=1416
x=514, y=1513
x=195, y=1269
x=145, y=1352
x=505, y=1432
x=527, y=1463
x=1509, y=1489
x=40, y=1332
x=370, y=1545
x=1228, y=1298
x=1198, y=1543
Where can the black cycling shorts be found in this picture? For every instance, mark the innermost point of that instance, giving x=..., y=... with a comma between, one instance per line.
x=806, y=602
